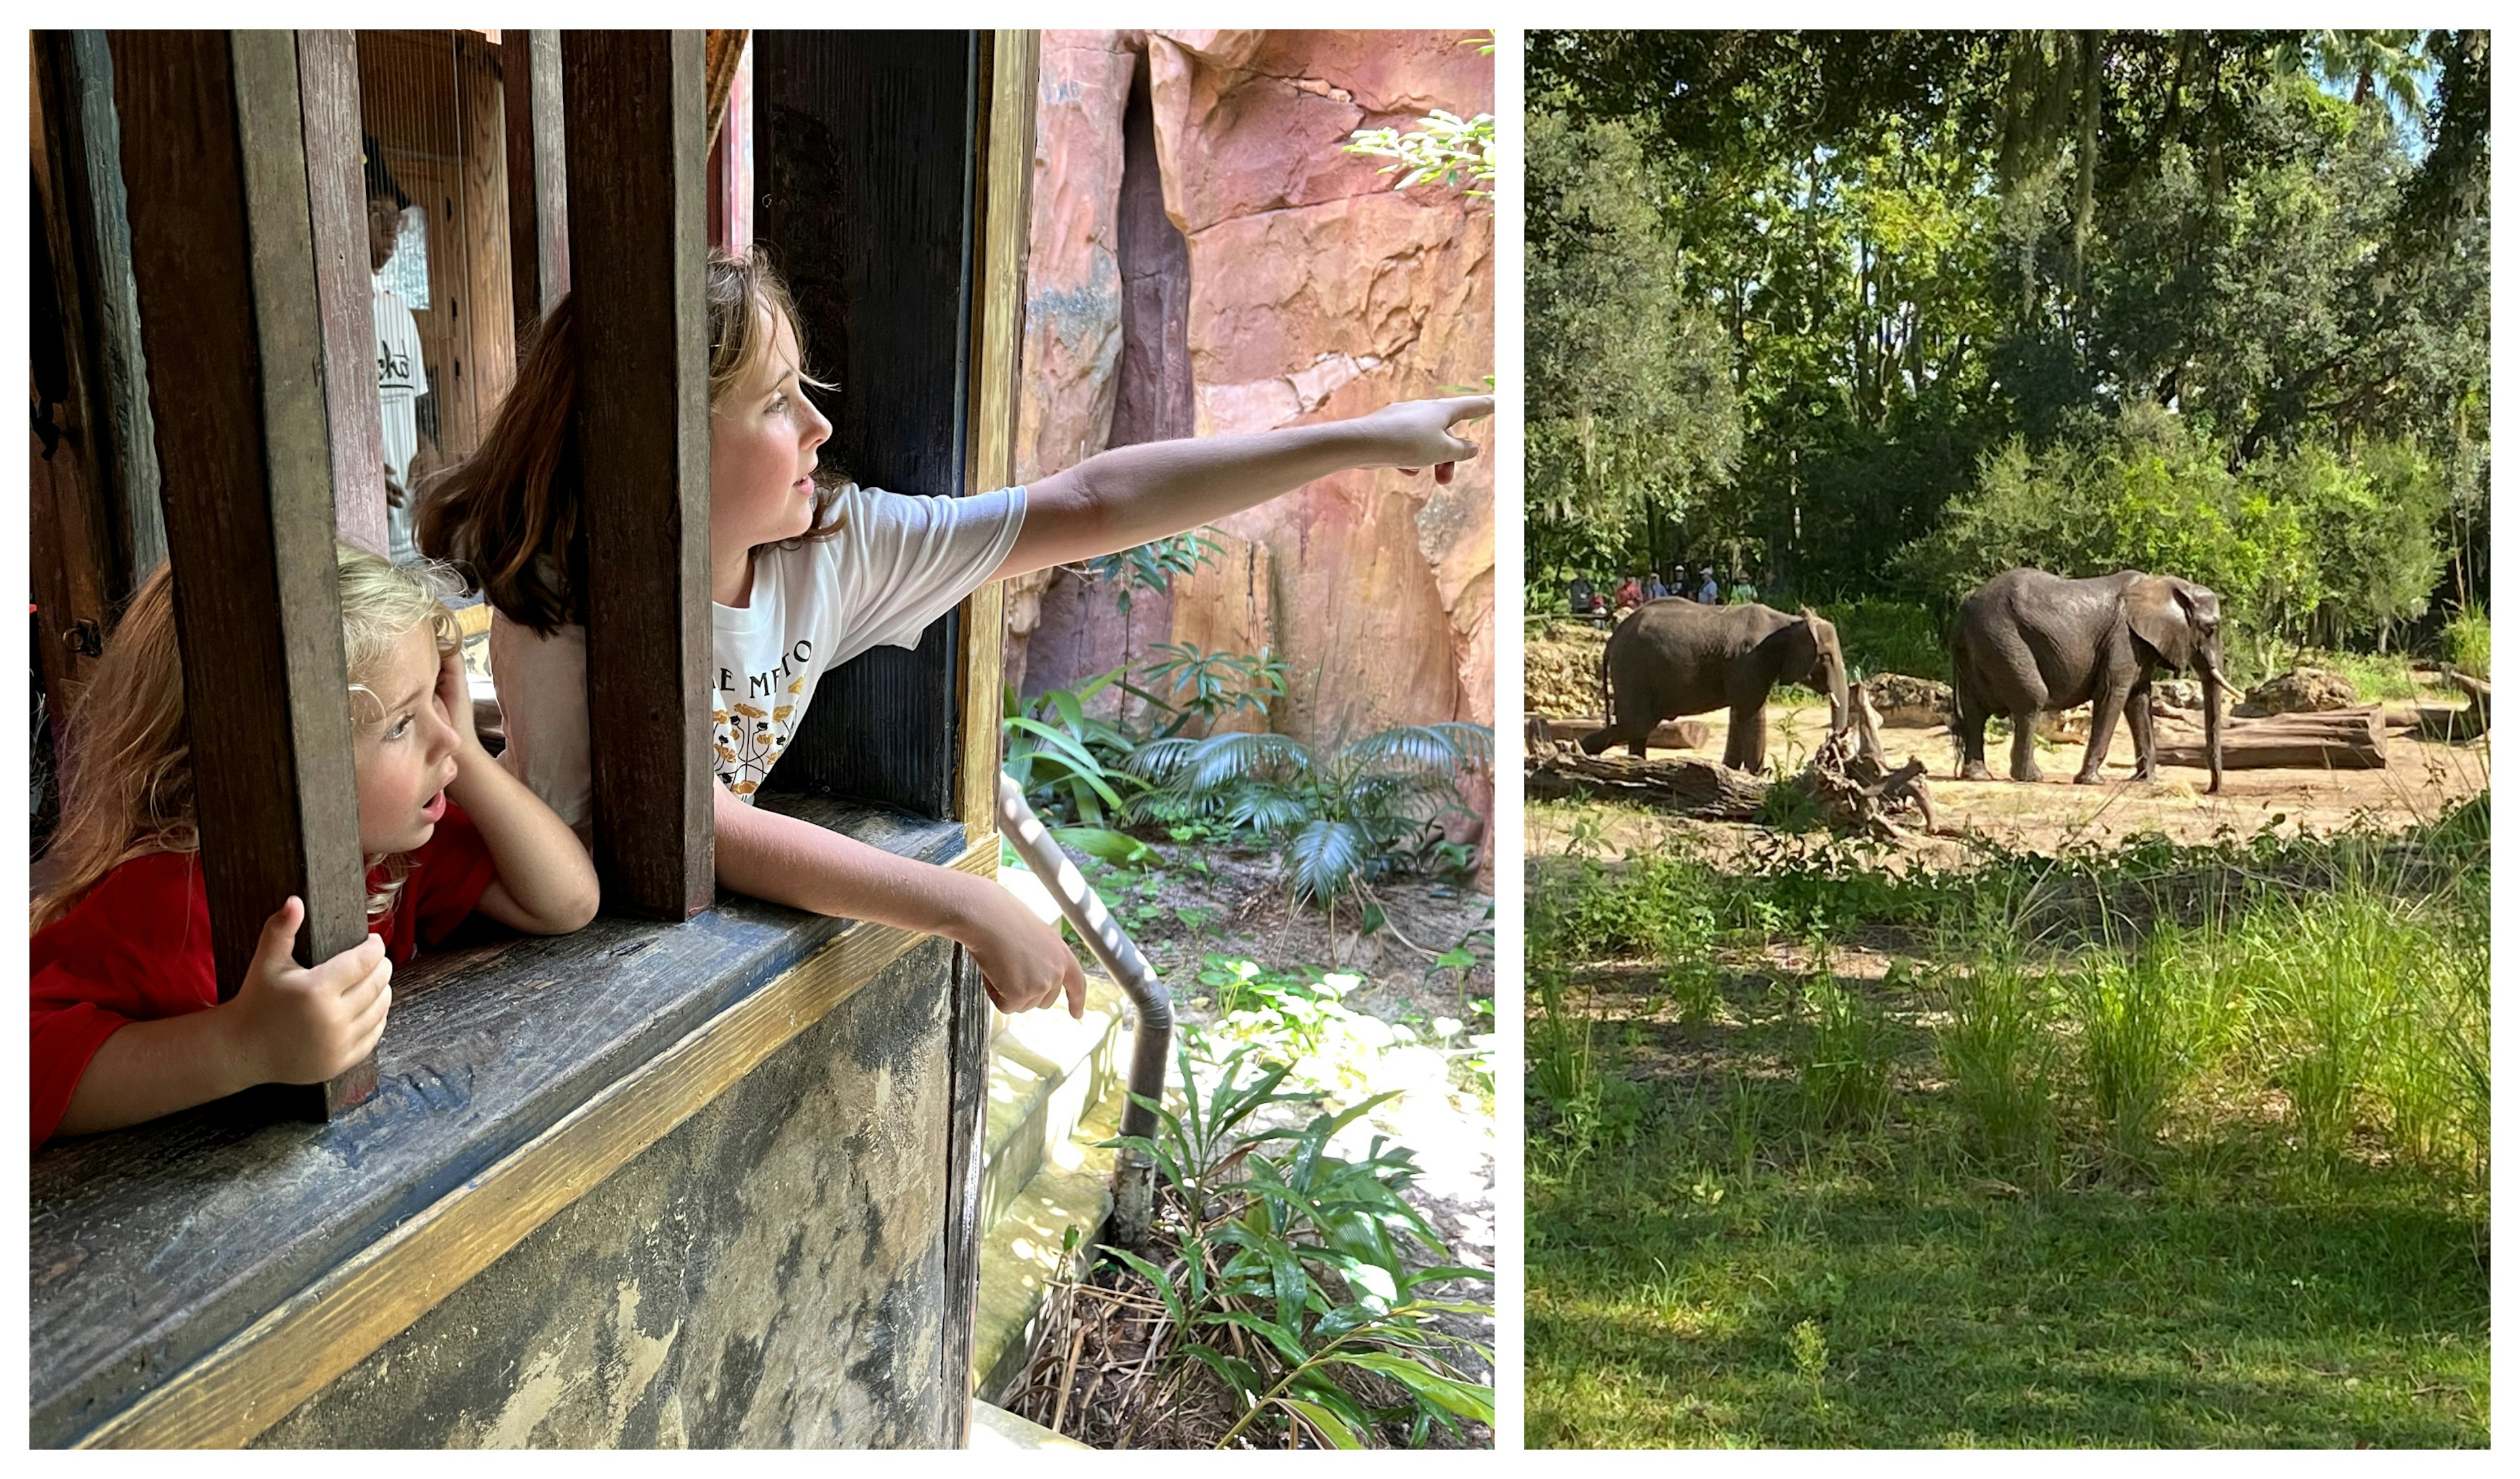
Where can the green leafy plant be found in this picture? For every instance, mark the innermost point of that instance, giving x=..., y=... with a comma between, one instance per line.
x=1340, y=819
x=1282, y=1267
x=1456, y=152
x=1207, y=687
x=1151, y=567
x=1072, y=766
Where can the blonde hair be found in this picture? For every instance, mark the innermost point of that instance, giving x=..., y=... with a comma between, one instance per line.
x=127, y=764
x=509, y=515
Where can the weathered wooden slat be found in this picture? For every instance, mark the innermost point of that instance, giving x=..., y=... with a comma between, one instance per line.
x=328, y=73
x=637, y=253
x=94, y=195
x=152, y=1247
x=537, y=172
x=213, y=157
x=867, y=137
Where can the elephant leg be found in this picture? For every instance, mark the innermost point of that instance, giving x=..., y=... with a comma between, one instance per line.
x=1970, y=723
x=2025, y=737
x=1745, y=744
x=2139, y=724
x=2105, y=704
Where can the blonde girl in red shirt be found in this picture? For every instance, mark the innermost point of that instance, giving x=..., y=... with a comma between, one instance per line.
x=128, y=1020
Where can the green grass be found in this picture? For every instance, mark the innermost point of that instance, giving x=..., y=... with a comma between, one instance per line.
x=2169, y=1145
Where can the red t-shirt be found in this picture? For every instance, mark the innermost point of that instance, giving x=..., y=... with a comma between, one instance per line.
x=138, y=947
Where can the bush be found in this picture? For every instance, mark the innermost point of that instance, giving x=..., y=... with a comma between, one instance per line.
x=1890, y=637
x=2468, y=642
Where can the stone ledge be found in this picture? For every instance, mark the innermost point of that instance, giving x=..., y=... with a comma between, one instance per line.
x=1046, y=1072
x=1024, y=1251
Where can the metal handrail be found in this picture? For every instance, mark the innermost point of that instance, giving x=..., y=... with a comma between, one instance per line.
x=1133, y=1185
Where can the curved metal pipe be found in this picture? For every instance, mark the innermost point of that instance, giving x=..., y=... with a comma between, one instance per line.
x=1133, y=1186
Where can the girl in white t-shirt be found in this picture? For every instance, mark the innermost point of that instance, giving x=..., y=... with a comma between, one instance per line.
x=806, y=575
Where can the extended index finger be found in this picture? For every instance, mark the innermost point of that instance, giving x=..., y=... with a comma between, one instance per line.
x=1469, y=408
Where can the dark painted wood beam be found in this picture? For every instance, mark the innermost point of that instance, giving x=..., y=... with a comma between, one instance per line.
x=867, y=137
x=223, y=255
x=636, y=163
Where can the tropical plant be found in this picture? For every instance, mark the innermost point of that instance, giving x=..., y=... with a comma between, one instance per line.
x=1340, y=820
x=1282, y=1267
x=1151, y=567
x=1072, y=766
x=1206, y=686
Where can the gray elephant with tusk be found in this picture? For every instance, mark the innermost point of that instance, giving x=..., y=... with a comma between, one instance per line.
x=2027, y=642
x=1675, y=656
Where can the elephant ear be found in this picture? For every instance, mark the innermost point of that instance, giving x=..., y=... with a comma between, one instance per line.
x=2158, y=612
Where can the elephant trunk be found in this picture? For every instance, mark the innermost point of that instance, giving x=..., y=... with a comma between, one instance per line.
x=2214, y=686
x=1840, y=712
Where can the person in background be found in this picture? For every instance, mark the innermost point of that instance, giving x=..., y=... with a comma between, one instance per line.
x=1706, y=592
x=1654, y=588
x=1579, y=597
x=1631, y=594
x=401, y=379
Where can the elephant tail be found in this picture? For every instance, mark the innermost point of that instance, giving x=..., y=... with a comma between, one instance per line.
x=1602, y=668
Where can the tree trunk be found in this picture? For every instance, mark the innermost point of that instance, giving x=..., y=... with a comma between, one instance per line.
x=1671, y=733
x=1700, y=787
x=2336, y=740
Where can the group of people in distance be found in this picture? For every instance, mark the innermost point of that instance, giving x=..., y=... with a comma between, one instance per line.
x=806, y=570
x=1585, y=598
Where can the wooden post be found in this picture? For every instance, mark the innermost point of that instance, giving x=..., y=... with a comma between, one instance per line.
x=637, y=253
x=1002, y=244
x=328, y=71
x=223, y=255
x=867, y=137
x=999, y=244
x=537, y=173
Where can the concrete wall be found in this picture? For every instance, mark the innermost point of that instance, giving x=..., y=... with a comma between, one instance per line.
x=769, y=1273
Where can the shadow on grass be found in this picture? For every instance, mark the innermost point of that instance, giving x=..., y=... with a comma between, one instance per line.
x=2096, y=1317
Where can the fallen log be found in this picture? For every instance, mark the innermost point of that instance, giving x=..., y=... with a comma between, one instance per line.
x=1671, y=733
x=1700, y=787
x=2320, y=740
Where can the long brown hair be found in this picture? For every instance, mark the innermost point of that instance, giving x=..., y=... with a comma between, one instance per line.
x=127, y=761
x=510, y=516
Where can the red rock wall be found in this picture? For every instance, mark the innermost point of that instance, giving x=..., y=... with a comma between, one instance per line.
x=1316, y=291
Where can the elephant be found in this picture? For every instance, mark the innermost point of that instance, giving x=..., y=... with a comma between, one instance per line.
x=1674, y=656
x=2027, y=642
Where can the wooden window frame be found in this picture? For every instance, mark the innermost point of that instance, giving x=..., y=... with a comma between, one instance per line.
x=231, y=269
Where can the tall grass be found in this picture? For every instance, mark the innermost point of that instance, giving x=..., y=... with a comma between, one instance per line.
x=2130, y=1019
x=2000, y=1052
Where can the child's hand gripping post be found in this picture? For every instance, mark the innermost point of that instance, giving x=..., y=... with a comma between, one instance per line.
x=293, y=1024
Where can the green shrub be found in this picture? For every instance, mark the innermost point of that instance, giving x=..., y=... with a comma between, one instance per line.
x=1889, y=637
x=2468, y=642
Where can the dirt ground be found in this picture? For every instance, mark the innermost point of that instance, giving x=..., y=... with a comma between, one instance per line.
x=2421, y=777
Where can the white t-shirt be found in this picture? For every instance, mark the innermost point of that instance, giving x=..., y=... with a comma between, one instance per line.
x=898, y=565
x=401, y=381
